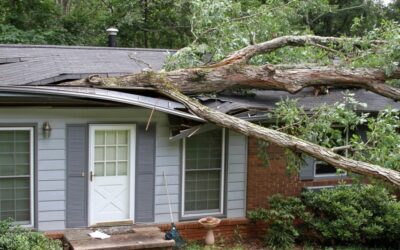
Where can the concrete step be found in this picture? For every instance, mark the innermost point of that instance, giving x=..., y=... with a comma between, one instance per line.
x=122, y=237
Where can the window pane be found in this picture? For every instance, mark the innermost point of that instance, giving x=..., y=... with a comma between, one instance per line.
x=111, y=153
x=7, y=147
x=7, y=135
x=6, y=170
x=6, y=183
x=22, y=158
x=324, y=168
x=22, y=193
x=99, y=153
x=22, y=182
x=15, y=199
x=23, y=215
x=123, y=137
x=111, y=137
x=122, y=153
x=22, y=135
x=99, y=169
x=22, y=204
x=7, y=205
x=6, y=158
x=111, y=169
x=99, y=138
x=22, y=147
x=122, y=168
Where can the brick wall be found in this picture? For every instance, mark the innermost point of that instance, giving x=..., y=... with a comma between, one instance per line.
x=228, y=229
x=263, y=182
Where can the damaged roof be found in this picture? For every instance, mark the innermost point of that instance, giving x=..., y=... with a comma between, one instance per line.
x=24, y=66
x=255, y=104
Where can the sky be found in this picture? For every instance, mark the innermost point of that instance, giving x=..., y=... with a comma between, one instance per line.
x=386, y=2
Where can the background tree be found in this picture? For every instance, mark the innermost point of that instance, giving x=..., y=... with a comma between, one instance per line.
x=233, y=28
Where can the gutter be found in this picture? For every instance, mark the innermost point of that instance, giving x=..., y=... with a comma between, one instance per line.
x=162, y=105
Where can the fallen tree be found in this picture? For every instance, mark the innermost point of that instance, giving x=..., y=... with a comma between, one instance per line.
x=235, y=71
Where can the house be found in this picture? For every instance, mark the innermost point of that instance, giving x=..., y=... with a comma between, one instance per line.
x=76, y=157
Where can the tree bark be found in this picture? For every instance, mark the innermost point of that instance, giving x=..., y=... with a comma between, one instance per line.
x=230, y=76
x=283, y=140
x=234, y=72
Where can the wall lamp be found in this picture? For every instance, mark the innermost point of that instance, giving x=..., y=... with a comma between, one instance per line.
x=46, y=130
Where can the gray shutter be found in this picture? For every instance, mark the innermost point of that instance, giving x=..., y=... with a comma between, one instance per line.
x=307, y=169
x=362, y=132
x=145, y=173
x=77, y=163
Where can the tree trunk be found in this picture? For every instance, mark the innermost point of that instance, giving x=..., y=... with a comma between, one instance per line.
x=234, y=72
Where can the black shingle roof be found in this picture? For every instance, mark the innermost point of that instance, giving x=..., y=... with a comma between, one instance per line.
x=38, y=65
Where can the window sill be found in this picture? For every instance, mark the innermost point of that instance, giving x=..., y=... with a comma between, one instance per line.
x=190, y=217
x=331, y=177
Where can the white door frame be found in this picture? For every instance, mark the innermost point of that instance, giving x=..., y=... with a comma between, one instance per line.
x=131, y=169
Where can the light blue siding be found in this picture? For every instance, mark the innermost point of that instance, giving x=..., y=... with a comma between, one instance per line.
x=51, y=154
x=168, y=161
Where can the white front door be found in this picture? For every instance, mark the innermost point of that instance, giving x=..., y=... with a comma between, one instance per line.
x=111, y=173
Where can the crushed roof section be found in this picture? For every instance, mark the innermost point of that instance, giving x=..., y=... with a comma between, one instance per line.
x=265, y=100
x=40, y=65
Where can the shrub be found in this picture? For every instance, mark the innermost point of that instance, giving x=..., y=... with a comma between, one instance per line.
x=14, y=237
x=359, y=214
x=281, y=232
x=365, y=215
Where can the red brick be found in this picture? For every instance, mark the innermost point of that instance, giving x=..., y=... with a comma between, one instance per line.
x=263, y=182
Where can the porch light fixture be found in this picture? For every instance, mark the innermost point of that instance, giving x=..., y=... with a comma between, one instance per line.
x=46, y=130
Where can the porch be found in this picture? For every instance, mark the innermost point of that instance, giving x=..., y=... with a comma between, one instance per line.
x=122, y=237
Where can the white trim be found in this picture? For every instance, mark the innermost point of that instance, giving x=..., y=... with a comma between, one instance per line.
x=31, y=169
x=222, y=187
x=132, y=159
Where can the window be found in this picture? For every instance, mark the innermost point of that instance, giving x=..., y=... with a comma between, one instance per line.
x=203, y=173
x=16, y=175
x=323, y=169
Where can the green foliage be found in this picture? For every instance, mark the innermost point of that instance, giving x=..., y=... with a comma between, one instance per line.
x=14, y=237
x=360, y=214
x=366, y=215
x=326, y=127
x=156, y=23
x=280, y=217
x=383, y=140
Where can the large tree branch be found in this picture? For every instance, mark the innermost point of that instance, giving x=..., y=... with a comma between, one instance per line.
x=245, y=54
x=291, y=79
x=234, y=72
x=163, y=85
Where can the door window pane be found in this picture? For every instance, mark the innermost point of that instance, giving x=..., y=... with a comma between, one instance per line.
x=111, y=152
x=111, y=169
x=99, y=169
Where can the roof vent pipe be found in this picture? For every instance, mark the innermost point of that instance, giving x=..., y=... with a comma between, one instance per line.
x=112, y=36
